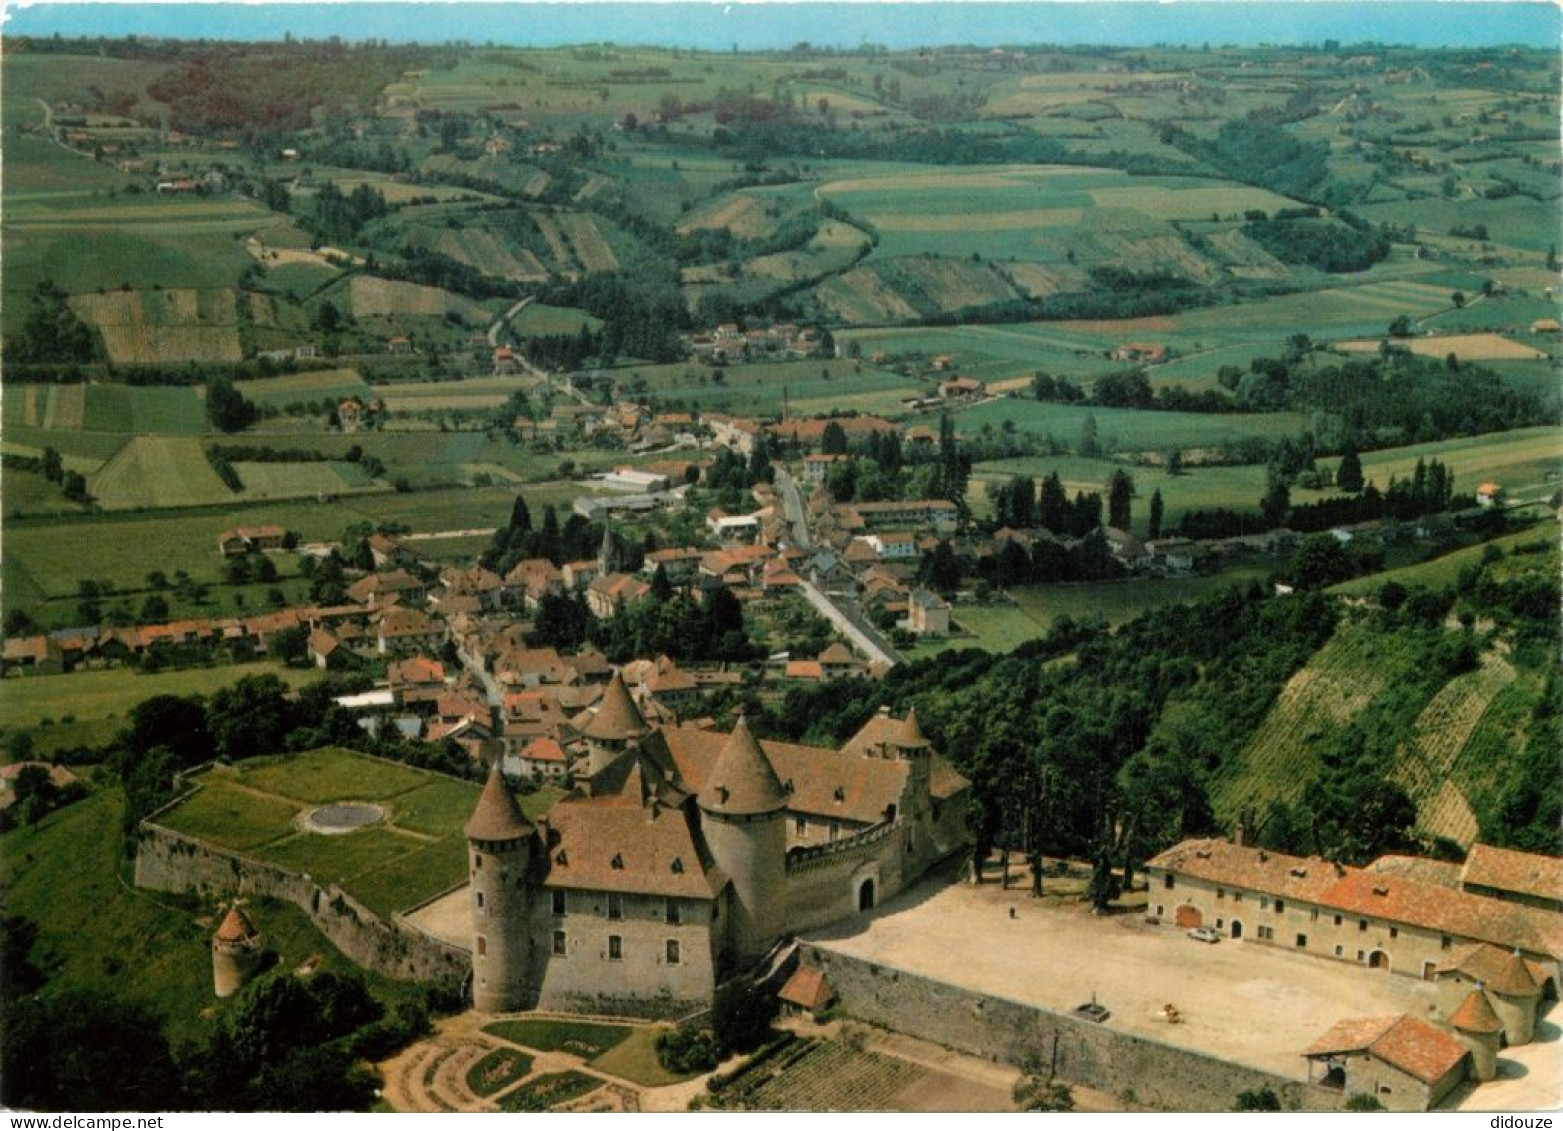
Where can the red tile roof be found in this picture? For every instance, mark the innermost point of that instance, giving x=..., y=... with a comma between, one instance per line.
x=605, y=845
x=1500, y=971
x=236, y=928
x=1524, y=873
x=1476, y=1015
x=497, y=816
x=742, y=782
x=807, y=988
x=617, y=717
x=1407, y=1043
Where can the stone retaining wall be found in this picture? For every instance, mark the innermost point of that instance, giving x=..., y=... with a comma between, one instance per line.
x=1160, y=1076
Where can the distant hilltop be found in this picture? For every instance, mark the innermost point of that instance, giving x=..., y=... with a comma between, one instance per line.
x=773, y=26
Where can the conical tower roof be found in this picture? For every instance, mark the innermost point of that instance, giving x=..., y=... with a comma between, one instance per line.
x=617, y=717
x=497, y=816
x=236, y=927
x=911, y=735
x=1514, y=979
x=742, y=782
x=1476, y=1015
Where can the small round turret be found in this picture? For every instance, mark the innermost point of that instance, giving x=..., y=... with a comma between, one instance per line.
x=1479, y=1031
x=499, y=841
x=1515, y=996
x=236, y=953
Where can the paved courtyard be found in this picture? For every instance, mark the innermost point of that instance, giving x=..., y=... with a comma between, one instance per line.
x=1243, y=1002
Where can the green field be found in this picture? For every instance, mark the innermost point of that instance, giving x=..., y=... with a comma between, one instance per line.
x=539, y=318
x=417, y=851
x=158, y=471
x=308, y=387
x=97, y=702
x=1128, y=430
x=585, y=1039
x=96, y=930
x=171, y=410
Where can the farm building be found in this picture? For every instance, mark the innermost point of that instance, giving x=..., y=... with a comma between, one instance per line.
x=1375, y=918
x=1520, y=877
x=249, y=539
x=1147, y=352
x=684, y=852
x=1406, y=1063
x=1489, y=494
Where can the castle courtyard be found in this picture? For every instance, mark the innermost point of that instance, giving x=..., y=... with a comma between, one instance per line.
x=1251, y=1004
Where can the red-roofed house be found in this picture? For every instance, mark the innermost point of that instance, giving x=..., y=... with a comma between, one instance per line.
x=1407, y=1064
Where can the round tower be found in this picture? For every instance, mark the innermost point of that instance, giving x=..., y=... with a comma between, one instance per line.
x=617, y=725
x=499, y=845
x=236, y=953
x=1515, y=995
x=742, y=806
x=1479, y=1031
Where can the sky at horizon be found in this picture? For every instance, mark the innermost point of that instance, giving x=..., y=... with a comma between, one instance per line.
x=769, y=25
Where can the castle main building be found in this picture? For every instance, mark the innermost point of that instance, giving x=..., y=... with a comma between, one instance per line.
x=685, y=852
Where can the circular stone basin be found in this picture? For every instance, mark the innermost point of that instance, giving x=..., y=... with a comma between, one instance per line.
x=342, y=818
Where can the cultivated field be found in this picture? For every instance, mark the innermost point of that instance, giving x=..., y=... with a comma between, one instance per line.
x=388, y=298
x=308, y=387
x=154, y=327
x=1467, y=347
x=158, y=471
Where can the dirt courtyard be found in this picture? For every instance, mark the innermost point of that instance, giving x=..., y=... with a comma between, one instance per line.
x=448, y=918
x=1247, y=1003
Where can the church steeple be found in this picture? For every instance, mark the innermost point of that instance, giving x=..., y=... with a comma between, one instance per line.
x=607, y=555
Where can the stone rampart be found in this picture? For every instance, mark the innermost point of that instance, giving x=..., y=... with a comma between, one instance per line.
x=172, y=861
x=1160, y=1076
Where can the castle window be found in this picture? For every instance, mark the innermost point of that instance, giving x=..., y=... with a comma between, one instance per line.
x=615, y=948
x=835, y=830
x=1302, y=940
x=673, y=953
x=1362, y=924
x=482, y=946
x=477, y=860
x=618, y=860
x=1313, y=915
x=801, y=826
x=1280, y=906
x=1168, y=881
x=480, y=901
x=615, y=905
x=558, y=898
x=1337, y=920
x=1394, y=932
x=673, y=913
x=1444, y=943
x=1338, y=951
x=559, y=943
x=1221, y=893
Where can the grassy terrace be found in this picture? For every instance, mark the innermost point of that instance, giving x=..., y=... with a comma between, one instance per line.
x=112, y=938
x=414, y=853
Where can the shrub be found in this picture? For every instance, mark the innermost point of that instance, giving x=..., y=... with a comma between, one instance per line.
x=688, y=1051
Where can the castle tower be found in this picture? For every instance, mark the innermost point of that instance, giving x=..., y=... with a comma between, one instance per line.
x=1479, y=1031
x=913, y=748
x=236, y=953
x=742, y=808
x=607, y=553
x=1515, y=995
x=499, y=842
x=616, y=726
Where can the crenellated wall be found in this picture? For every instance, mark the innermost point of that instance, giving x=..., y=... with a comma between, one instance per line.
x=170, y=861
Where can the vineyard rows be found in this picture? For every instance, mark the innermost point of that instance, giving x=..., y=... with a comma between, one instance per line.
x=1342, y=678
x=832, y=1076
x=1445, y=726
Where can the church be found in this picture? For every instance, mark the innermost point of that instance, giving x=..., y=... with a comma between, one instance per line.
x=684, y=854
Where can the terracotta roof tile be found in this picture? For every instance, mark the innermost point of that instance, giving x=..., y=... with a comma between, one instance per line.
x=1522, y=872
x=1500, y=971
x=236, y=927
x=617, y=717
x=1354, y=1034
x=1476, y=1015
x=497, y=816
x=742, y=782
x=1420, y=1049
x=609, y=846
x=807, y=988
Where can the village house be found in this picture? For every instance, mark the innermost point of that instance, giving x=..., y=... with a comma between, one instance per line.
x=532, y=579
x=1148, y=353
x=938, y=515
x=540, y=758
x=399, y=344
x=350, y=414
x=928, y=614
x=388, y=552
x=1518, y=877
x=417, y=679
x=962, y=389
x=251, y=539
x=379, y=590
x=816, y=465
x=1489, y=494
x=400, y=631
x=808, y=434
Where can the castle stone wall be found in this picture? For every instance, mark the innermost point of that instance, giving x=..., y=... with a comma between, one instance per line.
x=170, y=861
x=1160, y=1076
